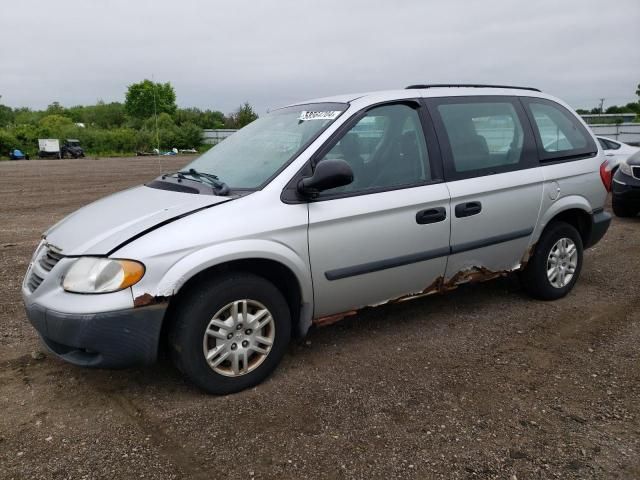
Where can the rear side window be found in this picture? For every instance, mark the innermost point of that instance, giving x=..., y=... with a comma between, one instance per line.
x=559, y=133
x=482, y=135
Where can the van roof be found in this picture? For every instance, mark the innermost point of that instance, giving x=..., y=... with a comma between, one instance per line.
x=431, y=90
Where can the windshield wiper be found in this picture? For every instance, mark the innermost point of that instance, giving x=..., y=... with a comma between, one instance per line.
x=219, y=187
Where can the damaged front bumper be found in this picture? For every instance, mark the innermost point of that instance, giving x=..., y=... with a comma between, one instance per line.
x=115, y=339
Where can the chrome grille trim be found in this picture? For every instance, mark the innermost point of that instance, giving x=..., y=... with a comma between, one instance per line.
x=41, y=266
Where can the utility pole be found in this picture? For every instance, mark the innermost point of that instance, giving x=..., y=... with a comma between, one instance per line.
x=601, y=105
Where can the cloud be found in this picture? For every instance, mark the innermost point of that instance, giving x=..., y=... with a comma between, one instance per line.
x=219, y=54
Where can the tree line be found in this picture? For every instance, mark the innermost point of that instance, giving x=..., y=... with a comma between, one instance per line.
x=631, y=107
x=148, y=114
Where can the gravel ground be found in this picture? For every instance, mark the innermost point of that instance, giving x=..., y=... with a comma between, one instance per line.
x=479, y=383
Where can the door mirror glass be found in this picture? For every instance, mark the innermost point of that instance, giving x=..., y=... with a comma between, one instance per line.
x=329, y=173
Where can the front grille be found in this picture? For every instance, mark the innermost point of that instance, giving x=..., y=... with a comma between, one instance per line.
x=636, y=172
x=49, y=259
x=42, y=265
x=34, y=281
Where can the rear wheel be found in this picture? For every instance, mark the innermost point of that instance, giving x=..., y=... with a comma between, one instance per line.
x=621, y=209
x=555, y=266
x=230, y=333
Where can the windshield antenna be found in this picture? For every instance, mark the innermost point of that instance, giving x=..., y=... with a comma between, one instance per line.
x=155, y=115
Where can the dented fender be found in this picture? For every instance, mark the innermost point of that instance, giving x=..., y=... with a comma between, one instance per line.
x=192, y=263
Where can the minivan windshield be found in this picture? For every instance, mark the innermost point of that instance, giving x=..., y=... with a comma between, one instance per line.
x=251, y=156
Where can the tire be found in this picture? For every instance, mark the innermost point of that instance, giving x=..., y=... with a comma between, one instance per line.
x=211, y=301
x=622, y=210
x=535, y=278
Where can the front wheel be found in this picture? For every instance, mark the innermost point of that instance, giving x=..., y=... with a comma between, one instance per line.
x=230, y=333
x=555, y=266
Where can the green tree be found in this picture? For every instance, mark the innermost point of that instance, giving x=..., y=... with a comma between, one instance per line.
x=54, y=126
x=105, y=115
x=203, y=119
x=6, y=116
x=189, y=135
x=25, y=115
x=55, y=109
x=141, y=97
x=7, y=142
x=243, y=116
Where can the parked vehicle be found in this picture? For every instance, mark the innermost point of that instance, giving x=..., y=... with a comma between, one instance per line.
x=16, y=154
x=616, y=152
x=626, y=188
x=313, y=212
x=49, y=148
x=72, y=149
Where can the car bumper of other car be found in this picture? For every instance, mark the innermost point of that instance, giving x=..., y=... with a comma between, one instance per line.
x=626, y=189
x=106, y=340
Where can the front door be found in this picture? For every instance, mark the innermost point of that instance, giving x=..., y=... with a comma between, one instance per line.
x=386, y=234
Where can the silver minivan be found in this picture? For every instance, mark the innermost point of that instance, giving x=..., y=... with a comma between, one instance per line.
x=313, y=212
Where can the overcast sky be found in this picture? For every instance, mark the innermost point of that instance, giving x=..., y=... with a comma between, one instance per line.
x=218, y=54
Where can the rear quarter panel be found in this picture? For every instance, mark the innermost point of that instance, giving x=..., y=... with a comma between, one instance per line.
x=568, y=185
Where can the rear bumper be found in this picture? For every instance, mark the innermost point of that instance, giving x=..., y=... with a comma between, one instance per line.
x=106, y=340
x=600, y=221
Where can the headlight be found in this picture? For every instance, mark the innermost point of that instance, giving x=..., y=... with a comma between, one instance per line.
x=102, y=275
x=625, y=168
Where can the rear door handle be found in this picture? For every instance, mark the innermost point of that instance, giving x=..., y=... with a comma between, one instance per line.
x=467, y=209
x=431, y=215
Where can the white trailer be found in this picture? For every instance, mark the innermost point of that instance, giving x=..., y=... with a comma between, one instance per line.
x=49, y=147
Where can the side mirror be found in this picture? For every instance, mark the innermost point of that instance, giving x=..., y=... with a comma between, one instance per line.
x=329, y=173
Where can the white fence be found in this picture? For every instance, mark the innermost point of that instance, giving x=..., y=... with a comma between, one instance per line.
x=625, y=132
x=214, y=136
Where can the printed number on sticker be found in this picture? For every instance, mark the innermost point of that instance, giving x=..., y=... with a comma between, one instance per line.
x=331, y=115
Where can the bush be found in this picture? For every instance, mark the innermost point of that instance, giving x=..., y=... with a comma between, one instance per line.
x=7, y=142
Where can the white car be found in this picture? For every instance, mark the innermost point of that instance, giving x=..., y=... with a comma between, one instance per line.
x=616, y=152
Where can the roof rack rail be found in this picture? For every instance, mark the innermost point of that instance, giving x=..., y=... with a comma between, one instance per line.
x=467, y=85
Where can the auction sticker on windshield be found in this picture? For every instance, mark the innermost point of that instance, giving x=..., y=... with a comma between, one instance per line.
x=329, y=115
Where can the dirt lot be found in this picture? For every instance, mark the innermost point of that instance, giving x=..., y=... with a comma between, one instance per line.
x=480, y=383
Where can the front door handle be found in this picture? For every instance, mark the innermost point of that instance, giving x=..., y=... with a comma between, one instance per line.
x=467, y=209
x=431, y=215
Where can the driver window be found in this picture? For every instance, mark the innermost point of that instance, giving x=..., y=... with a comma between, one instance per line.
x=385, y=149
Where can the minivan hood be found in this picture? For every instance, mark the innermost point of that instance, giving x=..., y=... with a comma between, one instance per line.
x=103, y=225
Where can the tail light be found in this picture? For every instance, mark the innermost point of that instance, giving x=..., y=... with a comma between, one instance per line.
x=605, y=175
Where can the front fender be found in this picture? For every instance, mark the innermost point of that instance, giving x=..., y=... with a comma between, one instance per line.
x=200, y=260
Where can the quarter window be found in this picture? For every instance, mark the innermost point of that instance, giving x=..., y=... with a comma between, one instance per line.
x=482, y=135
x=386, y=149
x=603, y=144
x=611, y=145
x=557, y=131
